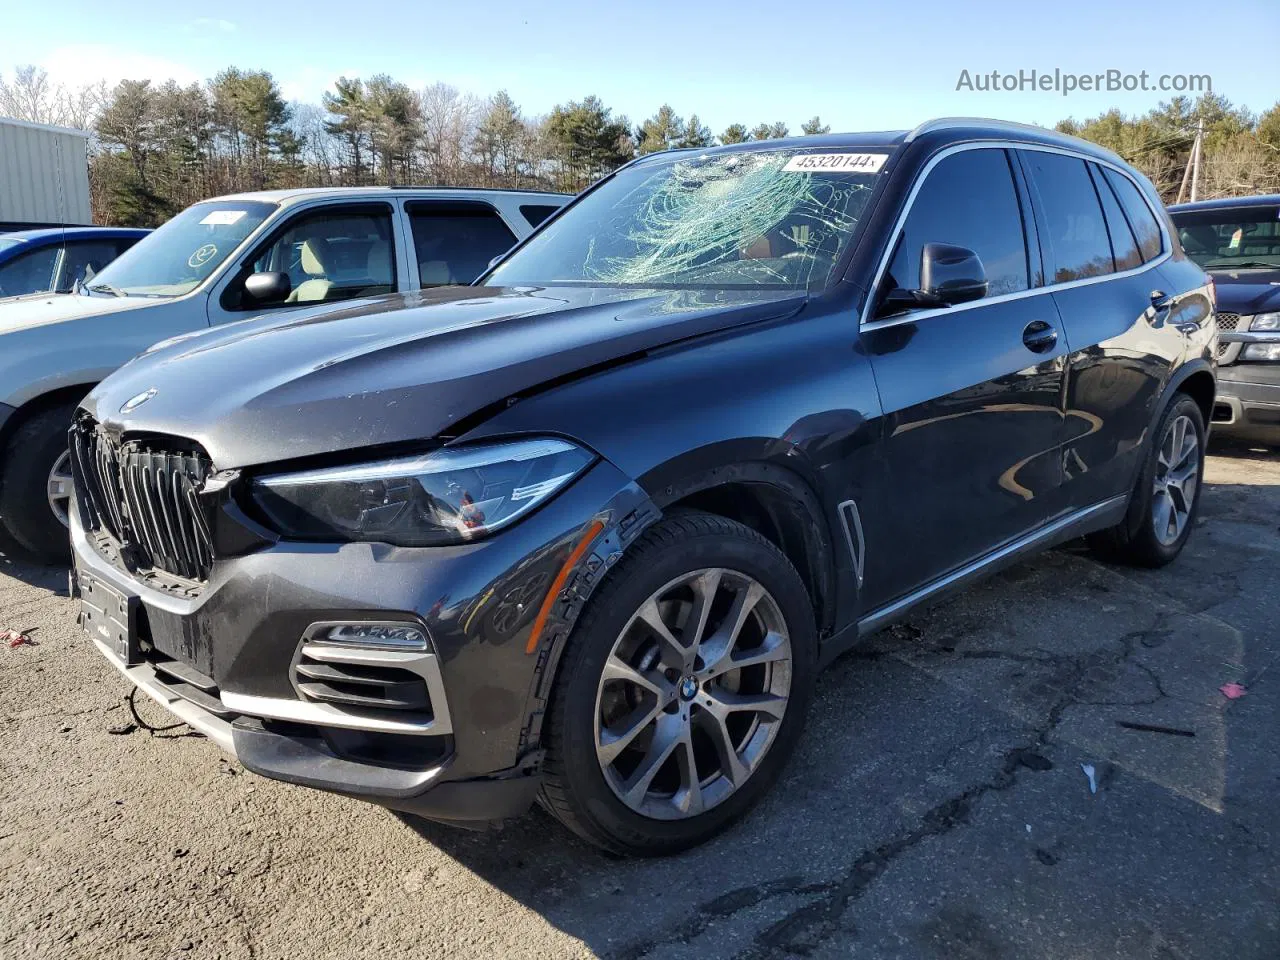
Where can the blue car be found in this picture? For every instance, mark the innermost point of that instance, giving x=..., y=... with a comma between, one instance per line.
x=36, y=261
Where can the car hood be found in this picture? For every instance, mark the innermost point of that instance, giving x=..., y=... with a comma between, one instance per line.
x=39, y=309
x=1247, y=291
x=399, y=368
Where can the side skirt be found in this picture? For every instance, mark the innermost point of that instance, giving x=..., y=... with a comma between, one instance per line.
x=1077, y=524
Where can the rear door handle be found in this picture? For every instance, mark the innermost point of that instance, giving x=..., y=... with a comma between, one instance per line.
x=1039, y=337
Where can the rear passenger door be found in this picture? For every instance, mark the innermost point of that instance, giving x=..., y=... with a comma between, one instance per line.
x=972, y=392
x=1103, y=281
x=454, y=240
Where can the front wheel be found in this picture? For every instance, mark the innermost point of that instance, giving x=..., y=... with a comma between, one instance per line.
x=683, y=688
x=35, y=490
x=1164, y=504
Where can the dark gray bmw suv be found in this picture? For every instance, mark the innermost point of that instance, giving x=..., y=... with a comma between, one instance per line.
x=585, y=531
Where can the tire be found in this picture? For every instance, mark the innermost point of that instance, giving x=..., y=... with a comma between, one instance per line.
x=29, y=457
x=1137, y=540
x=704, y=555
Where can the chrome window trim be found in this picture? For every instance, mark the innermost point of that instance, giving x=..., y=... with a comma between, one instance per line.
x=865, y=323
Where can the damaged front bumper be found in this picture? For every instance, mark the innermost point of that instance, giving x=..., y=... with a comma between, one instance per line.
x=456, y=738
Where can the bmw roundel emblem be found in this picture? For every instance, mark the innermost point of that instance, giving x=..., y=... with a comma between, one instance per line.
x=133, y=403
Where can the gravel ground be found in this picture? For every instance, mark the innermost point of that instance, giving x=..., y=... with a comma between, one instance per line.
x=937, y=808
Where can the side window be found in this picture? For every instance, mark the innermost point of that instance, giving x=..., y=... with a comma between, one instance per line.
x=84, y=258
x=535, y=213
x=1073, y=233
x=30, y=273
x=454, y=242
x=1143, y=221
x=1123, y=246
x=334, y=254
x=968, y=199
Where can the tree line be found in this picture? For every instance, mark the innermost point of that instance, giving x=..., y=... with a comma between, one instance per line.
x=156, y=148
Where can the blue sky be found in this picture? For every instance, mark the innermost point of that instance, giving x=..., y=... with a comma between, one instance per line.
x=859, y=65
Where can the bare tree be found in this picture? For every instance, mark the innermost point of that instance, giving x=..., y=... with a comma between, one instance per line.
x=29, y=96
x=448, y=128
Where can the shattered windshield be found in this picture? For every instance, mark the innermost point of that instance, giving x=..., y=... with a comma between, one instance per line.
x=750, y=220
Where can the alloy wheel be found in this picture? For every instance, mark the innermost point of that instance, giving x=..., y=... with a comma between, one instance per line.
x=59, y=488
x=1177, y=480
x=692, y=694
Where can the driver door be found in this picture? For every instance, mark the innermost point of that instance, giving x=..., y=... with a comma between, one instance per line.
x=972, y=393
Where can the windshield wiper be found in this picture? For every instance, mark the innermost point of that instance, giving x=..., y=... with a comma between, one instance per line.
x=107, y=288
x=1243, y=264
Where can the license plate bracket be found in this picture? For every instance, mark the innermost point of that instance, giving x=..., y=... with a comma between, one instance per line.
x=110, y=615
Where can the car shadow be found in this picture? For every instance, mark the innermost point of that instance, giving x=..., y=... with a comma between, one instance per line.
x=49, y=576
x=884, y=804
x=1238, y=449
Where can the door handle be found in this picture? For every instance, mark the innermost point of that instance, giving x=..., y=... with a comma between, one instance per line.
x=1039, y=337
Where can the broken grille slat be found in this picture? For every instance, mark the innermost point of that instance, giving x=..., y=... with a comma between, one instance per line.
x=148, y=497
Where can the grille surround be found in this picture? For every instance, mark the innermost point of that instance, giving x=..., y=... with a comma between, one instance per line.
x=145, y=493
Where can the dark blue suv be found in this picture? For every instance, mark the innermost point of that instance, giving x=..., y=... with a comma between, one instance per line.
x=36, y=261
x=1237, y=241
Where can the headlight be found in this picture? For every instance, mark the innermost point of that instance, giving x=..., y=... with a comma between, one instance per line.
x=1261, y=351
x=450, y=495
x=1265, y=321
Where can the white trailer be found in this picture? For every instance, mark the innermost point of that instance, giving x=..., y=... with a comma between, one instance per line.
x=44, y=175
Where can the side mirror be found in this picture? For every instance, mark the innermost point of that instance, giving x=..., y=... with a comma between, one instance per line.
x=270, y=287
x=951, y=274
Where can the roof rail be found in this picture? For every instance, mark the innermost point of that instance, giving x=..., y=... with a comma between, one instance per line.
x=440, y=186
x=952, y=123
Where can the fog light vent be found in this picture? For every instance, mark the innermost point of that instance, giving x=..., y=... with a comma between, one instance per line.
x=359, y=684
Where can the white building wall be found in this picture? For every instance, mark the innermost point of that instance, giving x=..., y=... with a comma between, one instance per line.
x=44, y=174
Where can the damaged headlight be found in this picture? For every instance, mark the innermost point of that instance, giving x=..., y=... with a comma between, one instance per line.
x=451, y=495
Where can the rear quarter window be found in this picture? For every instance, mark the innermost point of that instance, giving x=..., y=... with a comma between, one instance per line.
x=1123, y=244
x=1143, y=221
x=535, y=213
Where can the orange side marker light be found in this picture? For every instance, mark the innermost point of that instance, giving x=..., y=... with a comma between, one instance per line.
x=557, y=584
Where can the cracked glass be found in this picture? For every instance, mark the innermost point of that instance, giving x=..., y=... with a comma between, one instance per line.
x=715, y=221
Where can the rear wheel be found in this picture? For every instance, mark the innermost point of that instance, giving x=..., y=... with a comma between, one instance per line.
x=683, y=689
x=35, y=491
x=1163, y=508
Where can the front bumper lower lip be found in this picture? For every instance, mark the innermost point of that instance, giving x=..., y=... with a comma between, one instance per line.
x=304, y=761
x=143, y=676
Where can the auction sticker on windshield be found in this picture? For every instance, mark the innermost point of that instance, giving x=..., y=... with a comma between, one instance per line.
x=836, y=162
x=223, y=218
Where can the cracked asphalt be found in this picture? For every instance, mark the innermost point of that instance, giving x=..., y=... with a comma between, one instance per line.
x=938, y=806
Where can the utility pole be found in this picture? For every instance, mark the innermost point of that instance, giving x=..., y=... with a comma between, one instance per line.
x=1186, y=174
x=1195, y=170
x=1192, y=173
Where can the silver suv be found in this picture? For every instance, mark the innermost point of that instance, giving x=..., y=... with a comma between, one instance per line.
x=219, y=261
